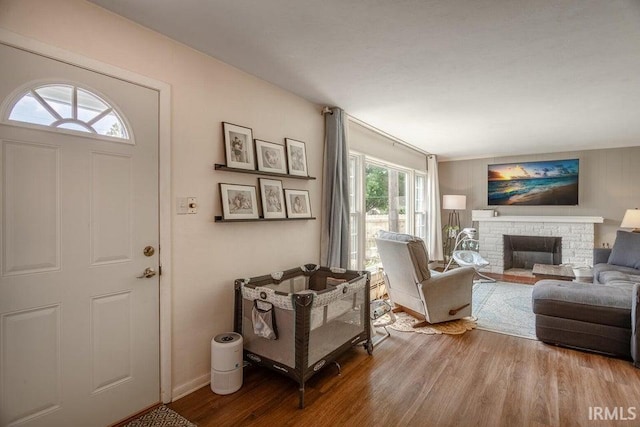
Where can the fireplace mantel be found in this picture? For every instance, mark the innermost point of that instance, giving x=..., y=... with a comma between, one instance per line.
x=543, y=219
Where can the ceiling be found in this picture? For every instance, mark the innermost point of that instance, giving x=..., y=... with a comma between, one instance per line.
x=460, y=79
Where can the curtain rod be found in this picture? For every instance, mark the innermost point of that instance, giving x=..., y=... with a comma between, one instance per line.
x=386, y=135
x=329, y=110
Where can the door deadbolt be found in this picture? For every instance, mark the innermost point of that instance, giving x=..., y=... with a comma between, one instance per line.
x=149, y=251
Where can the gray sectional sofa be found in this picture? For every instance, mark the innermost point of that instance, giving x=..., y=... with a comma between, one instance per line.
x=603, y=316
x=620, y=263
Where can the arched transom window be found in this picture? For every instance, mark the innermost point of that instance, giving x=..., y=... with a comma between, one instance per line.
x=66, y=106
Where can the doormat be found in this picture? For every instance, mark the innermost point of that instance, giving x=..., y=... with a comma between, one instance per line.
x=405, y=322
x=161, y=417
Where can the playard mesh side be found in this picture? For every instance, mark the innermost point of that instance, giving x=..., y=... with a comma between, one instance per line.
x=338, y=312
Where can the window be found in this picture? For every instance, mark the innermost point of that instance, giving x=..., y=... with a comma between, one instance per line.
x=387, y=184
x=420, y=210
x=354, y=214
x=69, y=107
x=383, y=197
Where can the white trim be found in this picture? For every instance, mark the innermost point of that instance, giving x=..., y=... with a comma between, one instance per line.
x=191, y=386
x=164, y=135
x=567, y=219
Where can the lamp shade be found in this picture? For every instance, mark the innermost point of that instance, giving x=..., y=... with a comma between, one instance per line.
x=631, y=219
x=454, y=202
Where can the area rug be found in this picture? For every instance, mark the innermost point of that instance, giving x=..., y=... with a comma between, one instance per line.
x=405, y=322
x=161, y=417
x=505, y=308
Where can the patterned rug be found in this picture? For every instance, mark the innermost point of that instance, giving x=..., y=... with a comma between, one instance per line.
x=500, y=307
x=405, y=322
x=505, y=308
x=161, y=417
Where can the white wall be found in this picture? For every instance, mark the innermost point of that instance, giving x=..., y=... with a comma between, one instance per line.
x=208, y=256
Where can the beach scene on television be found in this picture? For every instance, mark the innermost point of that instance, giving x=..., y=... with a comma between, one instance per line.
x=552, y=182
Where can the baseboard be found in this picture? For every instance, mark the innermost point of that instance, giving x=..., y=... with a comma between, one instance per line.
x=191, y=386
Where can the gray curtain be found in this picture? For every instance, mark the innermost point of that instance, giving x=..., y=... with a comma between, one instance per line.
x=334, y=244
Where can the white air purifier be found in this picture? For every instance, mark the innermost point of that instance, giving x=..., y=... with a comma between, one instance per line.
x=226, y=363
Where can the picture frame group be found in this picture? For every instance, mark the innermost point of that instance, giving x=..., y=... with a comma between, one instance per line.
x=239, y=202
x=242, y=151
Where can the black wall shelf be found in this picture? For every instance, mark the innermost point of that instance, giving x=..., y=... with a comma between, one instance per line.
x=220, y=167
x=220, y=219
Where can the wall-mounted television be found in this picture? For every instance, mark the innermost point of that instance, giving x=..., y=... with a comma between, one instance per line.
x=544, y=183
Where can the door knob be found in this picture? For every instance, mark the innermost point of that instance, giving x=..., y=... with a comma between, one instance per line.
x=148, y=272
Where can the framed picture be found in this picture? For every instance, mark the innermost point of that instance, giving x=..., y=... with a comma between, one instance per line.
x=297, y=202
x=271, y=157
x=539, y=183
x=238, y=146
x=239, y=201
x=297, y=156
x=272, y=198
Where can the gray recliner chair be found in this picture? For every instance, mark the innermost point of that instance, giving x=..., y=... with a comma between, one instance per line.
x=435, y=297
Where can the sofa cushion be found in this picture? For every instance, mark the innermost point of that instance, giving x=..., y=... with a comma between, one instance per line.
x=604, y=273
x=626, y=250
x=417, y=250
x=599, y=304
x=611, y=276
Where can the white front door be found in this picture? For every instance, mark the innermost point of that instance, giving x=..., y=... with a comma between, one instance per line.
x=79, y=331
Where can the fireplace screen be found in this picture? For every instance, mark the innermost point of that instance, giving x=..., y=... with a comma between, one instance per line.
x=525, y=251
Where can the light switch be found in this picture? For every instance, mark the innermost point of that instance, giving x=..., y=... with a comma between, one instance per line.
x=192, y=205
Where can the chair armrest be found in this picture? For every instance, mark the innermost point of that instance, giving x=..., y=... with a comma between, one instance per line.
x=447, y=292
x=601, y=255
x=635, y=326
x=462, y=276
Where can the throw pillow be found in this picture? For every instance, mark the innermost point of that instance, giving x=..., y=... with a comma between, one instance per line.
x=626, y=250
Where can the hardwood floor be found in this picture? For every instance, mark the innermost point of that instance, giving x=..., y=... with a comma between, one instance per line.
x=479, y=378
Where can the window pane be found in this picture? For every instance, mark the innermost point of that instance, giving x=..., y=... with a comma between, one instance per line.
x=420, y=207
x=353, y=183
x=376, y=210
x=54, y=105
x=386, y=206
x=355, y=218
x=421, y=225
x=59, y=98
x=420, y=194
x=398, y=185
x=29, y=110
x=89, y=106
x=353, y=242
x=110, y=125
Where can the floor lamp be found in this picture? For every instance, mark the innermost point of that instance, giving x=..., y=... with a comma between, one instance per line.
x=453, y=203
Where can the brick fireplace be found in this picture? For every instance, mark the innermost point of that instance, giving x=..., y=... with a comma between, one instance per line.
x=576, y=234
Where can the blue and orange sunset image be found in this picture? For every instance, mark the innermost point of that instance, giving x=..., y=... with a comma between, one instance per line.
x=552, y=182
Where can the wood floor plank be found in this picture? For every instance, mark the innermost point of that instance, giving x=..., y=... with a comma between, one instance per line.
x=478, y=378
